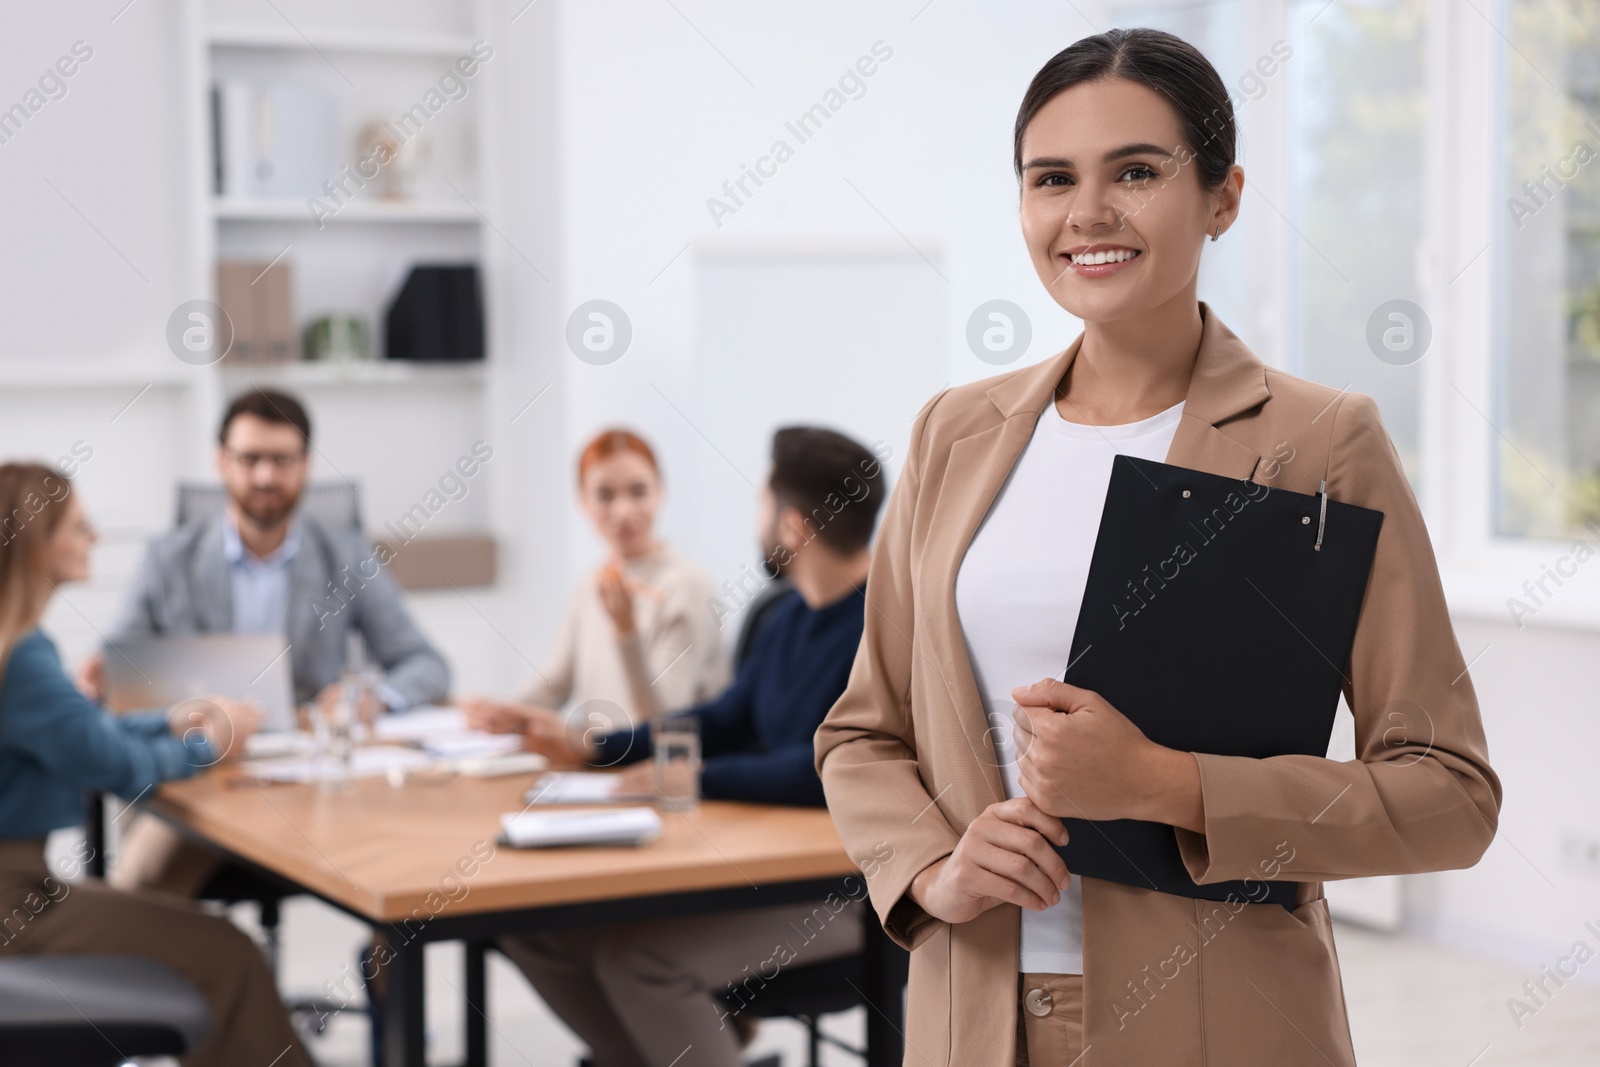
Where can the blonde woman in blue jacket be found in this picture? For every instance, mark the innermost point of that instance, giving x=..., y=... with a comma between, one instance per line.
x=56, y=745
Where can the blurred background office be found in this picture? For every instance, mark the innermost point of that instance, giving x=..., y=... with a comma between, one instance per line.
x=488, y=230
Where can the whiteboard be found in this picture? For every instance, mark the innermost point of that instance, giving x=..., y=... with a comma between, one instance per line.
x=847, y=340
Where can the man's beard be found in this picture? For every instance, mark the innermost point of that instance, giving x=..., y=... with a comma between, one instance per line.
x=775, y=559
x=267, y=515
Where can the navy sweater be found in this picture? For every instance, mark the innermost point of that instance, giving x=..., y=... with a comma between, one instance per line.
x=56, y=744
x=756, y=738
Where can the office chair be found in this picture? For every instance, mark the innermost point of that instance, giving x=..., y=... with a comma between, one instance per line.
x=336, y=505
x=233, y=884
x=74, y=1010
x=756, y=616
x=808, y=993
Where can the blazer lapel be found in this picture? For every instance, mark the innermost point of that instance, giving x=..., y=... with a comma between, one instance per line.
x=1228, y=379
x=209, y=582
x=308, y=579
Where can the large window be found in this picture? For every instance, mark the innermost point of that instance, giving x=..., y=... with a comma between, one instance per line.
x=1547, y=458
x=1331, y=100
x=1356, y=135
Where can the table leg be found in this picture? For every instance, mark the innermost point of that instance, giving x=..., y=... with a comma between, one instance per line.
x=477, y=989
x=403, y=1016
x=94, y=833
x=885, y=1009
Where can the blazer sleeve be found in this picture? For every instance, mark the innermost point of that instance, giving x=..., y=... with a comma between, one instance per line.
x=1420, y=796
x=866, y=749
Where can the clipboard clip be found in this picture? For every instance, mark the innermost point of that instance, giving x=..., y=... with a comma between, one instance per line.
x=1322, y=519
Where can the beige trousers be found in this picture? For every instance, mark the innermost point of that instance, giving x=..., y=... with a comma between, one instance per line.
x=642, y=994
x=1050, y=1021
x=45, y=915
x=152, y=855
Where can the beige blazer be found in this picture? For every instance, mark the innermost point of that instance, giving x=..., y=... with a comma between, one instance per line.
x=907, y=762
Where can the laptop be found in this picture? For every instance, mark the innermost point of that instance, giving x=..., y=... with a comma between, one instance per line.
x=158, y=672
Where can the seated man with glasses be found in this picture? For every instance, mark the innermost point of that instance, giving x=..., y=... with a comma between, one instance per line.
x=262, y=566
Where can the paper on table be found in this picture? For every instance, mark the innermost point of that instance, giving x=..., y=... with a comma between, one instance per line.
x=573, y=787
x=579, y=787
x=503, y=764
x=544, y=829
x=364, y=763
x=418, y=724
x=278, y=743
x=473, y=744
x=442, y=731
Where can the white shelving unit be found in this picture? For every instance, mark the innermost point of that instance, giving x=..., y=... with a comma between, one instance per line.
x=389, y=424
x=296, y=211
x=361, y=41
x=304, y=375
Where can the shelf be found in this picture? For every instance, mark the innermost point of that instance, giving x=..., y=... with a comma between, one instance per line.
x=392, y=44
x=296, y=211
x=64, y=372
x=368, y=372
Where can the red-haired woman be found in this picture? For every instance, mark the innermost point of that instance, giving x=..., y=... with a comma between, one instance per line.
x=55, y=744
x=637, y=638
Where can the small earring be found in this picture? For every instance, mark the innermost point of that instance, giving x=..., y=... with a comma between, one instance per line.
x=1217, y=234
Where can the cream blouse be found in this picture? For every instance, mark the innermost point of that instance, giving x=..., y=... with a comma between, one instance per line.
x=675, y=658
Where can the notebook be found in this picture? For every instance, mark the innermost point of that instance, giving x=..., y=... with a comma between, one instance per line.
x=550, y=829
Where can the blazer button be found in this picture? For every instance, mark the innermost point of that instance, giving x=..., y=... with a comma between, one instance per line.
x=1037, y=1001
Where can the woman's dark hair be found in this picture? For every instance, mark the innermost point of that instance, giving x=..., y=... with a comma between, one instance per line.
x=1157, y=60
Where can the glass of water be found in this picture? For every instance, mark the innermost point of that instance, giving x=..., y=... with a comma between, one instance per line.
x=333, y=747
x=676, y=774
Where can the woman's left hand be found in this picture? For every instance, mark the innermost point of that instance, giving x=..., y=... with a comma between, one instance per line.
x=1090, y=763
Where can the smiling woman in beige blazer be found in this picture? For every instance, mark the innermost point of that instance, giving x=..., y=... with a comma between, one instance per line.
x=1125, y=144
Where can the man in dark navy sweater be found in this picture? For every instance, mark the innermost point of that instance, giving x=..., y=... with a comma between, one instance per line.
x=641, y=994
x=756, y=738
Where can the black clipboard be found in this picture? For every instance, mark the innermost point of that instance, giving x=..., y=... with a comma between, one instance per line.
x=1218, y=616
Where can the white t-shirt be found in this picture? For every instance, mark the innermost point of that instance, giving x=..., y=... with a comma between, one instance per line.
x=1018, y=592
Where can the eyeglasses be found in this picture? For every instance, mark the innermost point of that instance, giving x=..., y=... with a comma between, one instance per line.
x=280, y=461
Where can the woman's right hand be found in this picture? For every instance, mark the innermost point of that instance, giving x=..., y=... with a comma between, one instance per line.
x=1006, y=856
x=616, y=596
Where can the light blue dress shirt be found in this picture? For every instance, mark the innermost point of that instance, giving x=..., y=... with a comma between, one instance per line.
x=261, y=593
x=260, y=586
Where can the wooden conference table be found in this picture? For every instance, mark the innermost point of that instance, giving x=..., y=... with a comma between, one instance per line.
x=420, y=863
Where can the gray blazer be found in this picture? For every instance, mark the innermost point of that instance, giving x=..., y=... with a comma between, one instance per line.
x=335, y=585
